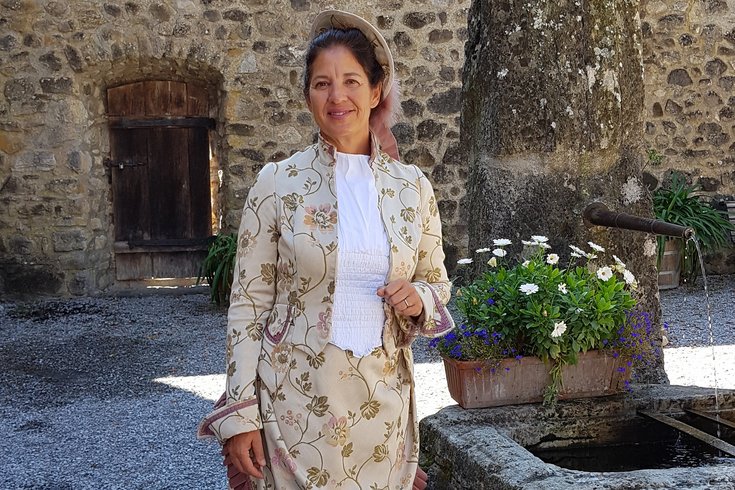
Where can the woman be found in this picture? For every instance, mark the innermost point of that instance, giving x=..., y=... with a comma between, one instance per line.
x=339, y=267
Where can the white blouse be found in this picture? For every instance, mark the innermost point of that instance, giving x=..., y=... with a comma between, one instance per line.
x=362, y=261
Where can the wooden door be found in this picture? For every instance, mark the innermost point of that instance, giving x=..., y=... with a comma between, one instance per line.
x=159, y=140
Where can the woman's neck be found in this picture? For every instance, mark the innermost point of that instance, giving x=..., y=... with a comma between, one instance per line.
x=354, y=145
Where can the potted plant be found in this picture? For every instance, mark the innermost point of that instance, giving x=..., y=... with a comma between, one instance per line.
x=532, y=330
x=679, y=203
x=218, y=266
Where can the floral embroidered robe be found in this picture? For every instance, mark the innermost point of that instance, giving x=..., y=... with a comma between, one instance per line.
x=329, y=419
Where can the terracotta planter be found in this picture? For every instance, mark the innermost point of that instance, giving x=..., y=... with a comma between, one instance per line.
x=595, y=374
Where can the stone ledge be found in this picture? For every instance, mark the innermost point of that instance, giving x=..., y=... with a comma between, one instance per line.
x=475, y=449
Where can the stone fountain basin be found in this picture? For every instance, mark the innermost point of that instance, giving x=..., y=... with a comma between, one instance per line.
x=486, y=448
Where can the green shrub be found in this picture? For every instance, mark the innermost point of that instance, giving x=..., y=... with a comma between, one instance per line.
x=218, y=266
x=678, y=203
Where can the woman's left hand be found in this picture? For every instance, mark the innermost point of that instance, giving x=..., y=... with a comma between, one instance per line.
x=402, y=296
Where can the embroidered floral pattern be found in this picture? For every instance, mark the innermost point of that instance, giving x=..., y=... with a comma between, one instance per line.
x=325, y=320
x=281, y=358
x=322, y=218
x=336, y=431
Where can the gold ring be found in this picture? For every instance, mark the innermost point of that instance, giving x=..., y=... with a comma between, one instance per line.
x=407, y=305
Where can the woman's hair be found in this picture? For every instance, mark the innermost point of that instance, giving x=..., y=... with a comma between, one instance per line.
x=356, y=42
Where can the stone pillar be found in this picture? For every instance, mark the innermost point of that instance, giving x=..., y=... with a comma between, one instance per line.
x=552, y=119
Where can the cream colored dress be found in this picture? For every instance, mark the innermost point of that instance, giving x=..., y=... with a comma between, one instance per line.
x=330, y=419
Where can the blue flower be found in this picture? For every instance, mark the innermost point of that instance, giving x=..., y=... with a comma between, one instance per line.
x=491, y=301
x=456, y=351
x=434, y=342
x=451, y=337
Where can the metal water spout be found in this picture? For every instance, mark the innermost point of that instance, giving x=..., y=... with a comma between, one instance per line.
x=597, y=213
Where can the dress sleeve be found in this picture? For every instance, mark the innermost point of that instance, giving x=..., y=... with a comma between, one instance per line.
x=251, y=302
x=430, y=278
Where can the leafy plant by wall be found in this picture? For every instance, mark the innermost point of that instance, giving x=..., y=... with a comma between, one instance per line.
x=217, y=267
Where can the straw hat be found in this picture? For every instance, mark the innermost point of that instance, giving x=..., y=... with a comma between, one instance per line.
x=345, y=20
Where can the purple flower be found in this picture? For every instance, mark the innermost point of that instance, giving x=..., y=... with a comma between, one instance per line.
x=490, y=301
x=519, y=357
x=456, y=351
x=434, y=342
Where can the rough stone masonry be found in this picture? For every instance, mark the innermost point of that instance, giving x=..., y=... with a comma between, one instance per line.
x=57, y=59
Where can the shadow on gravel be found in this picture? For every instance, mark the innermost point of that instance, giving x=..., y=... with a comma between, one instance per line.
x=56, y=352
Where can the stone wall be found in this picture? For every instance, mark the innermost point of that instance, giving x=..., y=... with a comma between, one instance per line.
x=689, y=62
x=57, y=58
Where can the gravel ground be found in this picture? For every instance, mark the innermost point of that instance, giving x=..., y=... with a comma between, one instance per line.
x=106, y=392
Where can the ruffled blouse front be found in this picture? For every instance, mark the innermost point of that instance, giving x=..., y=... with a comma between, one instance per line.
x=363, y=258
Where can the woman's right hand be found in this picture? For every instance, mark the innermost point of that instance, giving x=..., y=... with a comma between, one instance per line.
x=245, y=452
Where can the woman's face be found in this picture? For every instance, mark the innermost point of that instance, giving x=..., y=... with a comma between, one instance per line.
x=340, y=98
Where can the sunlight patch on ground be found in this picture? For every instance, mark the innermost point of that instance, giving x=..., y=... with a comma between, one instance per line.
x=209, y=387
x=693, y=366
x=686, y=366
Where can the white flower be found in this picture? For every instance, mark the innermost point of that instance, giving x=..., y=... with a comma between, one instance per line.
x=559, y=329
x=464, y=261
x=562, y=288
x=526, y=263
x=543, y=245
x=492, y=262
x=501, y=242
x=590, y=256
x=578, y=311
x=539, y=238
x=526, y=242
x=482, y=250
x=528, y=288
x=628, y=276
x=552, y=259
x=595, y=247
x=577, y=250
x=499, y=252
x=575, y=254
x=618, y=261
x=604, y=273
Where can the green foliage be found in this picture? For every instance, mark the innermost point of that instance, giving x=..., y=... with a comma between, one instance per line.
x=678, y=203
x=218, y=266
x=654, y=157
x=536, y=308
